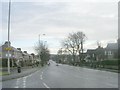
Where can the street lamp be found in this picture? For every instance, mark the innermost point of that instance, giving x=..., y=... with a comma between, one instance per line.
x=45, y=44
x=39, y=38
x=9, y=35
x=39, y=44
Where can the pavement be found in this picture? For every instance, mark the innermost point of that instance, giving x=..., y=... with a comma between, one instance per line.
x=14, y=73
x=64, y=76
x=104, y=69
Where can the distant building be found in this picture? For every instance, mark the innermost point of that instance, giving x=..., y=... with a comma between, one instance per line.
x=14, y=54
x=108, y=53
x=90, y=55
x=111, y=51
x=95, y=54
x=99, y=53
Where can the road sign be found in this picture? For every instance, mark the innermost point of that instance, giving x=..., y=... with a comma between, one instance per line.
x=8, y=55
x=8, y=48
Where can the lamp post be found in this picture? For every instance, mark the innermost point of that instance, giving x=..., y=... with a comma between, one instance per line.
x=45, y=44
x=39, y=45
x=9, y=12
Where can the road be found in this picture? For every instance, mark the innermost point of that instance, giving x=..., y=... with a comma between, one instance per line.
x=65, y=76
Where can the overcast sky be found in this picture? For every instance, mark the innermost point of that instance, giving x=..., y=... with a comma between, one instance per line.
x=98, y=19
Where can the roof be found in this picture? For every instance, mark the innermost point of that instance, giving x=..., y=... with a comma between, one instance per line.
x=91, y=51
x=113, y=46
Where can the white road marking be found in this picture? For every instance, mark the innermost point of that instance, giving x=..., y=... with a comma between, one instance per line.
x=42, y=72
x=112, y=85
x=30, y=75
x=41, y=77
x=24, y=81
x=16, y=87
x=17, y=82
x=24, y=85
x=45, y=85
x=25, y=77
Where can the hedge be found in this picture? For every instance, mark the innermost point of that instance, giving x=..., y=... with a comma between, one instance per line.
x=110, y=62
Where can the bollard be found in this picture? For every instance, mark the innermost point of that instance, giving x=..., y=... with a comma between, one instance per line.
x=19, y=69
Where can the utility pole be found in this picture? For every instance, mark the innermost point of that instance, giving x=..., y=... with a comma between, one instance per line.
x=9, y=36
x=40, y=50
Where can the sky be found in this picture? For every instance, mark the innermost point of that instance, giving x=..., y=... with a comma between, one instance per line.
x=98, y=19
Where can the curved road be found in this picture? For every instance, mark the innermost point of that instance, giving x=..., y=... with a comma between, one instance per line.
x=65, y=76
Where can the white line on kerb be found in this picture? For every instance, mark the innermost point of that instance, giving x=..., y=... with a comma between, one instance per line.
x=45, y=85
x=113, y=85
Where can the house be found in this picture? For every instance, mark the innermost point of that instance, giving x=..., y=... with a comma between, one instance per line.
x=17, y=57
x=90, y=55
x=95, y=54
x=100, y=53
x=111, y=51
x=4, y=50
x=15, y=54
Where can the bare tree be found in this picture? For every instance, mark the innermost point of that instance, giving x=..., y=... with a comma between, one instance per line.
x=70, y=45
x=74, y=44
x=80, y=39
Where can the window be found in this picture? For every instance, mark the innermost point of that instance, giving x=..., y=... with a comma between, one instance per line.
x=109, y=53
x=105, y=52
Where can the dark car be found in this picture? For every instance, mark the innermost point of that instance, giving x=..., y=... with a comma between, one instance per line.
x=57, y=64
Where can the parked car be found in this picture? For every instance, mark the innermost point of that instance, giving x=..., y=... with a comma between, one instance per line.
x=57, y=64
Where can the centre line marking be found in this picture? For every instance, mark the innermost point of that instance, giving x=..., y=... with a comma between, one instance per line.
x=16, y=87
x=41, y=77
x=17, y=82
x=45, y=85
x=24, y=84
x=24, y=81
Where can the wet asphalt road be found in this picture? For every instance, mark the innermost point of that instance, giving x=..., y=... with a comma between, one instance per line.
x=65, y=76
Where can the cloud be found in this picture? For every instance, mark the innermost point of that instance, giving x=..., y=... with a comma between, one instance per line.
x=96, y=18
x=62, y=1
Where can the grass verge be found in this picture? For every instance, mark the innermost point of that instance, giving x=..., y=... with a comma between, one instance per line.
x=4, y=73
